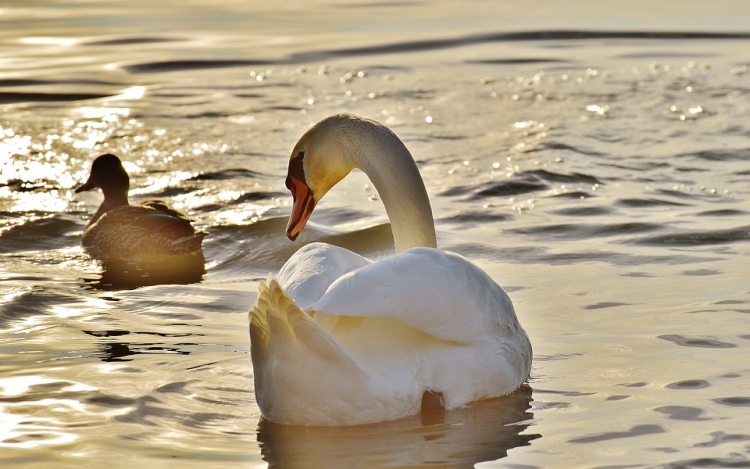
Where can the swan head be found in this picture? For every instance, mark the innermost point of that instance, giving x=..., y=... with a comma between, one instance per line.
x=321, y=158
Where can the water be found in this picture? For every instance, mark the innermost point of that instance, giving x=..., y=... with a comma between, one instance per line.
x=592, y=158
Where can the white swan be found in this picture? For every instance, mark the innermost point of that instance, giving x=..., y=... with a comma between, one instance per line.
x=342, y=340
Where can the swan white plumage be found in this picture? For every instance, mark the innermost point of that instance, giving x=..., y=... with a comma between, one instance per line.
x=342, y=340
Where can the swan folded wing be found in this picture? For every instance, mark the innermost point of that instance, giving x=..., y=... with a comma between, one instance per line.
x=313, y=268
x=301, y=373
x=438, y=292
x=278, y=326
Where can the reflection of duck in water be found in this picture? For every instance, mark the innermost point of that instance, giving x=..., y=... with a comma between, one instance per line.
x=481, y=431
x=145, y=231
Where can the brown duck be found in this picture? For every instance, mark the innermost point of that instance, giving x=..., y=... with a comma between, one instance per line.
x=143, y=231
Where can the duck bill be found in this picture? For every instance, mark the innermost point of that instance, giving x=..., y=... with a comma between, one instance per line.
x=87, y=186
x=302, y=208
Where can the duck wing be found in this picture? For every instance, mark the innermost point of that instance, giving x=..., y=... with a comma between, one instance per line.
x=162, y=207
x=133, y=230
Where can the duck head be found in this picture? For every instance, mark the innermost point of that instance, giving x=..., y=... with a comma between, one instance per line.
x=108, y=174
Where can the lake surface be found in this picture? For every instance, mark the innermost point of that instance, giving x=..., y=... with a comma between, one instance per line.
x=593, y=157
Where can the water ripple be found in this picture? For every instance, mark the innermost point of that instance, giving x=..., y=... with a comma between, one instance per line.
x=544, y=35
x=24, y=303
x=638, y=430
x=131, y=40
x=719, y=438
x=719, y=155
x=638, y=202
x=699, y=238
x=675, y=412
x=733, y=401
x=584, y=231
x=7, y=97
x=186, y=65
x=46, y=233
x=727, y=463
x=689, y=384
x=522, y=183
x=703, y=343
x=233, y=173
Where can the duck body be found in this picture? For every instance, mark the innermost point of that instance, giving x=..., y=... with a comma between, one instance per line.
x=147, y=230
x=341, y=340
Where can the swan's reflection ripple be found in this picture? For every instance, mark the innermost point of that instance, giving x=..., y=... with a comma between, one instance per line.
x=481, y=431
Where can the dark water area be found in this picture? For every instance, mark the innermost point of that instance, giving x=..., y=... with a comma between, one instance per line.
x=593, y=159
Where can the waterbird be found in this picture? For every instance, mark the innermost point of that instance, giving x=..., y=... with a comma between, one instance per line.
x=149, y=230
x=338, y=339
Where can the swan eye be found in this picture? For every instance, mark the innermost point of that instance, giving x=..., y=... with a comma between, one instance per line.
x=296, y=171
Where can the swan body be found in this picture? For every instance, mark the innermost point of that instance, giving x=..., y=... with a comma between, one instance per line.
x=148, y=230
x=338, y=339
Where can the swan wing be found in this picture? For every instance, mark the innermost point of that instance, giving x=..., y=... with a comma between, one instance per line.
x=313, y=268
x=303, y=375
x=437, y=292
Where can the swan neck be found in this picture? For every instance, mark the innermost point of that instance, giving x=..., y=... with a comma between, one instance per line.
x=395, y=175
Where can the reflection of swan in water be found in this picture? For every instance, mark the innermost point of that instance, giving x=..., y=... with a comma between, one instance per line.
x=481, y=431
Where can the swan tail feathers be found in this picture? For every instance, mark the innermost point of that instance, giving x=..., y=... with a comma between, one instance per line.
x=297, y=364
x=281, y=329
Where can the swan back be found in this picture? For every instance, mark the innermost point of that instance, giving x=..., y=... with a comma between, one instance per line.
x=438, y=292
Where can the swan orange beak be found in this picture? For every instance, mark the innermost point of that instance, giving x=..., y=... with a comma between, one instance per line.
x=302, y=207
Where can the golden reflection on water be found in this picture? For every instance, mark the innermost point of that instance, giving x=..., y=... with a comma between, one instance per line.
x=598, y=308
x=18, y=428
x=34, y=201
x=106, y=113
x=481, y=431
x=128, y=274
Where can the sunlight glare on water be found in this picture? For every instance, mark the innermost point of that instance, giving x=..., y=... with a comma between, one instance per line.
x=592, y=158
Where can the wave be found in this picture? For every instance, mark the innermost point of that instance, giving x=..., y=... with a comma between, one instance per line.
x=41, y=234
x=523, y=183
x=585, y=231
x=233, y=173
x=699, y=238
x=25, y=97
x=183, y=65
x=401, y=47
x=542, y=35
x=18, y=305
